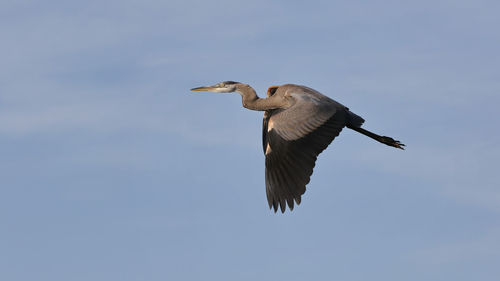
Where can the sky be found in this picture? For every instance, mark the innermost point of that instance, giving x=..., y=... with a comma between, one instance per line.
x=111, y=169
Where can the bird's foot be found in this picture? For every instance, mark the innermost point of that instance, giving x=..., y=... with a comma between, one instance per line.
x=392, y=142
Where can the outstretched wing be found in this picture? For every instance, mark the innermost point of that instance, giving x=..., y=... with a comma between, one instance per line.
x=292, y=140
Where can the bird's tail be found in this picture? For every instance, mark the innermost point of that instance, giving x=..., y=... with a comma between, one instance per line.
x=354, y=122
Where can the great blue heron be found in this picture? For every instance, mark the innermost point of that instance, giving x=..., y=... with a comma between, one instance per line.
x=299, y=123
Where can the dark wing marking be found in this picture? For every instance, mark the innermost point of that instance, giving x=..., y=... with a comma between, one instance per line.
x=290, y=163
x=267, y=114
x=265, y=122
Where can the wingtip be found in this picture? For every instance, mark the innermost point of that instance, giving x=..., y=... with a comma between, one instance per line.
x=298, y=200
x=275, y=206
x=281, y=205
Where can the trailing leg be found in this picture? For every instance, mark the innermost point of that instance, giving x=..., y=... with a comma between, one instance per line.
x=383, y=139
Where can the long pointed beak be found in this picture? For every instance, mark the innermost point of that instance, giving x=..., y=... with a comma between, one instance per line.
x=204, y=88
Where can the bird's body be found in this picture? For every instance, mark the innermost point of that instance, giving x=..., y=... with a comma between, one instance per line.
x=299, y=123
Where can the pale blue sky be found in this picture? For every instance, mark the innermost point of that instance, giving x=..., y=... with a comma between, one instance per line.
x=111, y=169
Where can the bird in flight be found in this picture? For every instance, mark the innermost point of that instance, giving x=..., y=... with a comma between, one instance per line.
x=299, y=123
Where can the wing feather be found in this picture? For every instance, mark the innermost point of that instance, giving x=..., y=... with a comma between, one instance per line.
x=292, y=139
x=309, y=110
x=290, y=163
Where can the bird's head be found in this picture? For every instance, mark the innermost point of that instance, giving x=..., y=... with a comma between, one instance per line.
x=222, y=87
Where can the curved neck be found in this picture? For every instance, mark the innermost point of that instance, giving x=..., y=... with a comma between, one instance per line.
x=250, y=100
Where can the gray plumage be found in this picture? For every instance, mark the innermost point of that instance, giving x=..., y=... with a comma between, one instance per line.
x=299, y=123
